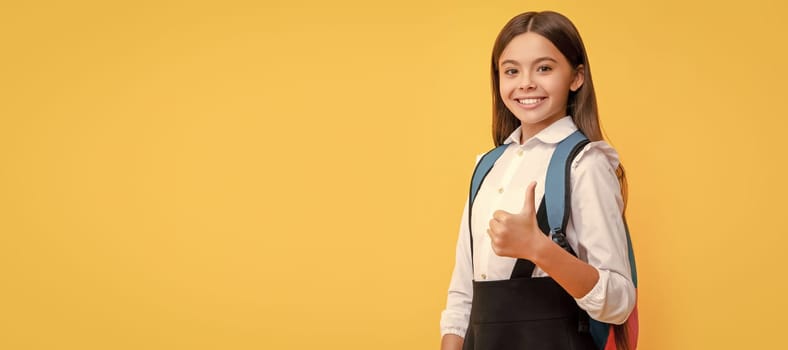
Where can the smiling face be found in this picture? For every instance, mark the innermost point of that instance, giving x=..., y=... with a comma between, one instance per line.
x=535, y=81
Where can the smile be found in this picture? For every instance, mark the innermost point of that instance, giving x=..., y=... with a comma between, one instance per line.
x=530, y=101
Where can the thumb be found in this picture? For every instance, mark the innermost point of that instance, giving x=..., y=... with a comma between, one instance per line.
x=528, y=206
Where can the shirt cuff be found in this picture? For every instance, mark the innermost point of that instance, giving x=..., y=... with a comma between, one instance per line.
x=595, y=298
x=456, y=331
x=453, y=322
x=609, y=303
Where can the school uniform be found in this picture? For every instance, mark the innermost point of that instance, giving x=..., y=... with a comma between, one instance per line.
x=505, y=303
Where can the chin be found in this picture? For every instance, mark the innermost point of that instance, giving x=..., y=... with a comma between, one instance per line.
x=529, y=120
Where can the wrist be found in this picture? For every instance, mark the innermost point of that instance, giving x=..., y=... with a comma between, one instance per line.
x=542, y=245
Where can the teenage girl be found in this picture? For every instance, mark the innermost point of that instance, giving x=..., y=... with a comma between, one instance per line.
x=505, y=293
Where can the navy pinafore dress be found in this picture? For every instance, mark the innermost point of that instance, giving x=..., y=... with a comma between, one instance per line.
x=525, y=312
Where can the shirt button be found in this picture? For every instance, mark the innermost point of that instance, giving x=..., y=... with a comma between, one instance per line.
x=484, y=276
x=500, y=190
x=520, y=153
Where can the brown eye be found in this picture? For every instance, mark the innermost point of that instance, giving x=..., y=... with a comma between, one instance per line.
x=510, y=71
x=544, y=69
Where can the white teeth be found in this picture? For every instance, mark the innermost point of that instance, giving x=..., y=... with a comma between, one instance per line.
x=529, y=101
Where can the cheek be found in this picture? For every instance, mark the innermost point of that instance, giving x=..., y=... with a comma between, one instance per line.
x=505, y=88
x=558, y=88
x=561, y=84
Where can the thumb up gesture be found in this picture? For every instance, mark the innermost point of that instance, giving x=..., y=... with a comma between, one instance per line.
x=517, y=235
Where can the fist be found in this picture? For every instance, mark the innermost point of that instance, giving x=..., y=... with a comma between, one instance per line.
x=517, y=235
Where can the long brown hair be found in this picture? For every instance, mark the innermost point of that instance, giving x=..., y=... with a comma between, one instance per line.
x=581, y=104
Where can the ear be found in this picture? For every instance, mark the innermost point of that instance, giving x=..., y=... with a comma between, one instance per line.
x=580, y=75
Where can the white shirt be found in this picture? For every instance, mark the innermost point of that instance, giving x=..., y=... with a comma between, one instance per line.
x=595, y=229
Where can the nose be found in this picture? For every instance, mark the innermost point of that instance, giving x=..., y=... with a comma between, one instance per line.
x=527, y=83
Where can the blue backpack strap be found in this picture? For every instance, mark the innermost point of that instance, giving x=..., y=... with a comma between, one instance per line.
x=557, y=185
x=479, y=173
x=557, y=201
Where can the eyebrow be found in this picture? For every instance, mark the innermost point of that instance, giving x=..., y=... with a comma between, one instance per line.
x=546, y=58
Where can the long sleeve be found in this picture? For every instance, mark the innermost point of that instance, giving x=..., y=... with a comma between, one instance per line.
x=600, y=234
x=455, y=318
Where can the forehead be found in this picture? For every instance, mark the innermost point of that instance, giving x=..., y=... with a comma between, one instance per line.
x=530, y=46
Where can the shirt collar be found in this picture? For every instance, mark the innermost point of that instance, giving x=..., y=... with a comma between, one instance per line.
x=554, y=133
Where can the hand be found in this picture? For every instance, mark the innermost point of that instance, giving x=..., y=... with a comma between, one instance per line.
x=517, y=235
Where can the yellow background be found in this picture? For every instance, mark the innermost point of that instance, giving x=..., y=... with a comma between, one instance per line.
x=291, y=174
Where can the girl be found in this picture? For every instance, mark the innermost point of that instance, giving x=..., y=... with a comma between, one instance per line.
x=508, y=272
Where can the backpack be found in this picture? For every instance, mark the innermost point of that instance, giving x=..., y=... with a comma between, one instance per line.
x=556, y=197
